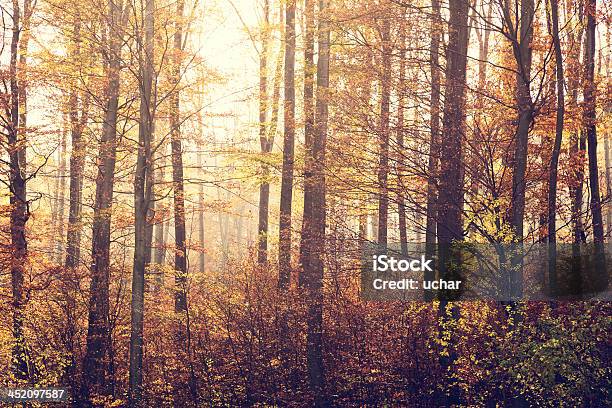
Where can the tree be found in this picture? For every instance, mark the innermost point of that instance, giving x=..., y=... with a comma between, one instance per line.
x=450, y=196
x=20, y=209
x=313, y=233
x=402, y=100
x=284, y=248
x=143, y=194
x=434, y=142
x=180, y=254
x=162, y=227
x=520, y=34
x=97, y=368
x=309, y=112
x=590, y=127
x=577, y=142
x=554, y=161
x=521, y=46
x=266, y=136
x=607, y=160
x=78, y=112
x=383, y=165
x=61, y=196
x=201, y=257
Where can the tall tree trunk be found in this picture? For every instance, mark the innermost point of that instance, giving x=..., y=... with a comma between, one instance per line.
x=577, y=150
x=22, y=80
x=313, y=232
x=181, y=309
x=53, y=200
x=77, y=160
x=608, y=109
x=608, y=175
x=577, y=145
x=309, y=112
x=554, y=161
x=266, y=147
x=180, y=258
x=159, y=256
x=383, y=165
x=522, y=54
x=483, y=39
x=434, y=141
x=401, y=203
x=143, y=190
x=78, y=114
x=61, y=209
x=97, y=363
x=202, y=255
x=483, y=32
x=284, y=247
x=19, y=207
x=267, y=135
x=590, y=125
x=521, y=46
x=450, y=198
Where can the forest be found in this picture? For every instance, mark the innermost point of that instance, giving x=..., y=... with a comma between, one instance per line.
x=189, y=189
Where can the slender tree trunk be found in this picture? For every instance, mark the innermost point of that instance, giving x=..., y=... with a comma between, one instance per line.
x=590, y=126
x=97, y=363
x=61, y=209
x=522, y=54
x=450, y=199
x=434, y=142
x=267, y=142
x=577, y=144
x=554, y=161
x=383, y=165
x=266, y=147
x=19, y=208
x=484, y=49
x=143, y=194
x=264, y=204
x=483, y=32
x=309, y=113
x=577, y=150
x=181, y=309
x=150, y=197
x=313, y=232
x=401, y=206
x=159, y=256
x=78, y=121
x=521, y=46
x=53, y=200
x=201, y=236
x=77, y=161
x=180, y=236
x=22, y=80
x=608, y=109
x=607, y=162
x=284, y=247
x=73, y=237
